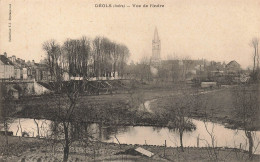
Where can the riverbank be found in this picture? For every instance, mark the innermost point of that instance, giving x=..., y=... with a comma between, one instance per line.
x=216, y=106
x=114, y=109
x=124, y=109
x=33, y=149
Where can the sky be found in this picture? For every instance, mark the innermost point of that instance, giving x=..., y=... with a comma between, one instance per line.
x=217, y=30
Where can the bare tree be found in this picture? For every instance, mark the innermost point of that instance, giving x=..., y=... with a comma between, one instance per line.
x=67, y=101
x=254, y=43
x=123, y=59
x=136, y=102
x=144, y=69
x=7, y=110
x=108, y=57
x=179, y=114
x=186, y=66
x=74, y=57
x=212, y=149
x=76, y=54
x=97, y=56
x=246, y=101
x=53, y=53
x=37, y=128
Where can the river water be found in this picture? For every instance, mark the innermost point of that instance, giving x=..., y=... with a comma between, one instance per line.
x=224, y=137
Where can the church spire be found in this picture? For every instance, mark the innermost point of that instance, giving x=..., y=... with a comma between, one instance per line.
x=156, y=51
x=156, y=36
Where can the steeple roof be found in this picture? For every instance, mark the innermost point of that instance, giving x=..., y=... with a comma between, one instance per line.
x=156, y=36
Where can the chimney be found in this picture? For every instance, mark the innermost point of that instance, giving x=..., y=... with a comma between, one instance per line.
x=33, y=62
x=28, y=62
x=13, y=58
x=5, y=54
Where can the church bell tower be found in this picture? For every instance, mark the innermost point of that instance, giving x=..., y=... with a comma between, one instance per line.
x=156, y=49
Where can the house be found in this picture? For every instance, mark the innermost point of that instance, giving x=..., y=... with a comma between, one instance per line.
x=6, y=67
x=23, y=67
x=38, y=71
x=20, y=67
x=17, y=72
x=24, y=73
x=17, y=67
x=233, y=67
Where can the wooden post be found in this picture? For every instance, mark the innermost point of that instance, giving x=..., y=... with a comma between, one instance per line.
x=198, y=141
x=94, y=155
x=164, y=148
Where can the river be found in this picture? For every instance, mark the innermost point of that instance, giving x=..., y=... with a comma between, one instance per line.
x=224, y=137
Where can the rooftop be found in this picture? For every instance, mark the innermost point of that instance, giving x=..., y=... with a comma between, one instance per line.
x=5, y=60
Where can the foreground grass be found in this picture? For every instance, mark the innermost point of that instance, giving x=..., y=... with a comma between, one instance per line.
x=33, y=149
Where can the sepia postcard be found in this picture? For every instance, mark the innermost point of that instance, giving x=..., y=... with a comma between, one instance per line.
x=129, y=80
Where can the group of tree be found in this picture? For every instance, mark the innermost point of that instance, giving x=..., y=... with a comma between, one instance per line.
x=175, y=69
x=79, y=58
x=141, y=70
x=84, y=57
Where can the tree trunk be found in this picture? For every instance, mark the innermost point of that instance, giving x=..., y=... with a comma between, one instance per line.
x=6, y=136
x=66, y=153
x=114, y=75
x=257, y=58
x=254, y=61
x=251, y=144
x=37, y=125
x=181, y=134
x=66, y=147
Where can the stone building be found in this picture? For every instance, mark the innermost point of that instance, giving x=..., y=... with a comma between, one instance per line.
x=20, y=68
x=38, y=71
x=6, y=67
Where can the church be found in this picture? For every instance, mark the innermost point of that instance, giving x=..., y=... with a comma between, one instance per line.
x=156, y=49
x=174, y=69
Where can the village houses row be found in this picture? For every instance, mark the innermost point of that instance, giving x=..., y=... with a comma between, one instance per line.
x=16, y=68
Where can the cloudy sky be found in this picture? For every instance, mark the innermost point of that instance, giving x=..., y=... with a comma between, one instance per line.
x=212, y=29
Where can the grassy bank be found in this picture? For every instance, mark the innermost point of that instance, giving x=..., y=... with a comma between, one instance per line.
x=123, y=109
x=218, y=105
x=112, y=109
x=32, y=149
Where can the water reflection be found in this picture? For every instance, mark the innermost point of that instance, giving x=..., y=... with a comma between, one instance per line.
x=145, y=134
x=28, y=127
